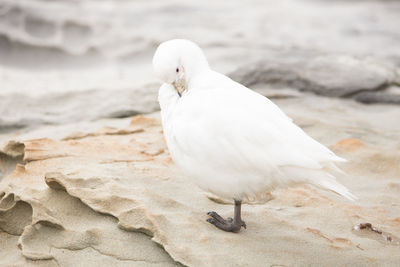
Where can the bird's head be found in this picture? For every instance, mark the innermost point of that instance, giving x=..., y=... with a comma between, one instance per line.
x=176, y=61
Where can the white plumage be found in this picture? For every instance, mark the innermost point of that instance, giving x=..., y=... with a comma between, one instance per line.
x=236, y=143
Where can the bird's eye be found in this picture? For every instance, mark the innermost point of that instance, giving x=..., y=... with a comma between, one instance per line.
x=177, y=69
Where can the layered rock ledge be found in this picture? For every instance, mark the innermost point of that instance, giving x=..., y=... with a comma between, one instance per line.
x=113, y=198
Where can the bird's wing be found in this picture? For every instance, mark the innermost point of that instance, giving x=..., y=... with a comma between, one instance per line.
x=236, y=127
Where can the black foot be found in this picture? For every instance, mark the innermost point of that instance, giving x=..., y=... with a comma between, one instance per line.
x=228, y=225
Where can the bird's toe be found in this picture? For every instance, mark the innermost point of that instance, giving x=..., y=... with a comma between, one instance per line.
x=211, y=220
x=216, y=216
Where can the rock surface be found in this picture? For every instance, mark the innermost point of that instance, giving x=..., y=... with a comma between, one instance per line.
x=113, y=198
x=366, y=80
x=390, y=95
x=74, y=196
x=19, y=110
x=54, y=62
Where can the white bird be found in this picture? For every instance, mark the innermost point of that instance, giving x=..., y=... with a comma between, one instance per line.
x=236, y=143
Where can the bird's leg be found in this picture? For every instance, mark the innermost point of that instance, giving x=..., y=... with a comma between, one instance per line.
x=229, y=225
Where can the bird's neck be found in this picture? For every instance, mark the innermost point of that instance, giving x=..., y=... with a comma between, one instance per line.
x=195, y=66
x=200, y=78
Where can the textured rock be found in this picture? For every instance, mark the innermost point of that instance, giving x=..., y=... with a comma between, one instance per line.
x=59, y=228
x=20, y=110
x=109, y=197
x=338, y=76
x=112, y=197
x=389, y=96
x=10, y=156
x=55, y=63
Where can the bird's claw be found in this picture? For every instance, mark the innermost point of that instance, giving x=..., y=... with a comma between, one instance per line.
x=228, y=225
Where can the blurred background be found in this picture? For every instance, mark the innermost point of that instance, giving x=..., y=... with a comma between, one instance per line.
x=75, y=61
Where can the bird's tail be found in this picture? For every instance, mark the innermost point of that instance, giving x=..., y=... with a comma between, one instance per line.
x=330, y=183
x=322, y=178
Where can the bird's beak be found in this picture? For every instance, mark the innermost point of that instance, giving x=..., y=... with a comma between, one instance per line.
x=180, y=83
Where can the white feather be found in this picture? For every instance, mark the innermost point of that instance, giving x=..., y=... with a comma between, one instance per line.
x=237, y=143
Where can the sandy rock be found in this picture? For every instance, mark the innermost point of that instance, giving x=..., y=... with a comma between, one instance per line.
x=10, y=155
x=349, y=145
x=79, y=197
x=59, y=228
x=107, y=198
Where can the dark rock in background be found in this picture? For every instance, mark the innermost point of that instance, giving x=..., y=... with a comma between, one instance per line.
x=333, y=75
